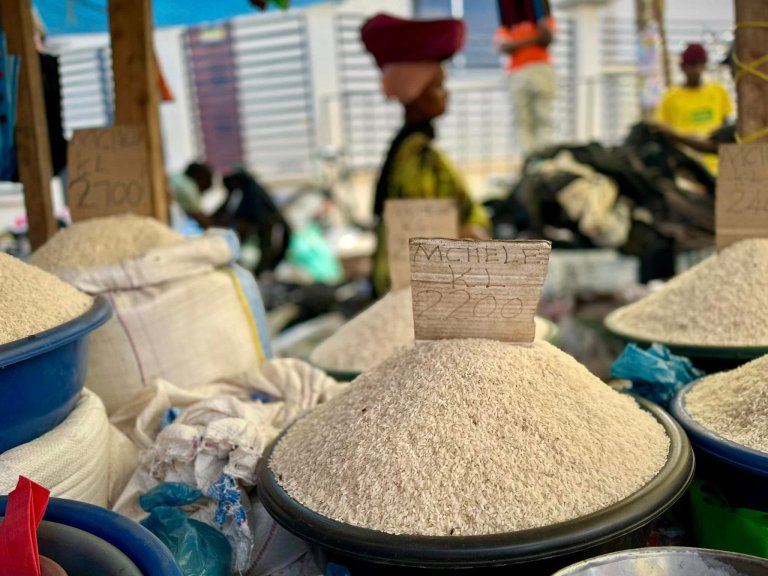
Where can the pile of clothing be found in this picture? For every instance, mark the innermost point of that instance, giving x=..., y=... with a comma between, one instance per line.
x=645, y=198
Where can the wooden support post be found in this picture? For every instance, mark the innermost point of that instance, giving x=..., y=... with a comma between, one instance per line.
x=136, y=86
x=750, y=45
x=658, y=15
x=32, y=143
x=649, y=15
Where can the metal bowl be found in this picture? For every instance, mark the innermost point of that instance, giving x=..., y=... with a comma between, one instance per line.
x=80, y=553
x=669, y=562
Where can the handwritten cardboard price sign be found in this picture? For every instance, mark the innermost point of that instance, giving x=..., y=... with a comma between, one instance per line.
x=406, y=219
x=108, y=173
x=477, y=289
x=741, y=203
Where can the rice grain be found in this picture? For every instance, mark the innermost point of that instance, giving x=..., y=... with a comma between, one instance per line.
x=376, y=334
x=470, y=437
x=33, y=301
x=722, y=301
x=102, y=241
x=734, y=404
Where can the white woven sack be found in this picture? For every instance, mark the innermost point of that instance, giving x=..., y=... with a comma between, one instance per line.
x=72, y=460
x=297, y=384
x=123, y=459
x=182, y=312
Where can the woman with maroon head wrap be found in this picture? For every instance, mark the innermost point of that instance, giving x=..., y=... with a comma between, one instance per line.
x=409, y=54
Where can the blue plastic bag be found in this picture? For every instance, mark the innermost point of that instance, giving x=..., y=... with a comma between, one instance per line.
x=336, y=570
x=199, y=549
x=260, y=397
x=169, y=416
x=656, y=374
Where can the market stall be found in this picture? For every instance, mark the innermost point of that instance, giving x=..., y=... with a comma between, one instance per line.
x=440, y=430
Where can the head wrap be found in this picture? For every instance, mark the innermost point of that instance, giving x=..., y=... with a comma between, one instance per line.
x=409, y=52
x=694, y=54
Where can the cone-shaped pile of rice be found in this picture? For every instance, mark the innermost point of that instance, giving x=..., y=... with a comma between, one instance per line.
x=734, y=404
x=377, y=334
x=723, y=301
x=469, y=437
x=33, y=301
x=102, y=241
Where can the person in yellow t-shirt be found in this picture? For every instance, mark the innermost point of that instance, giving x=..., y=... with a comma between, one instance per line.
x=697, y=108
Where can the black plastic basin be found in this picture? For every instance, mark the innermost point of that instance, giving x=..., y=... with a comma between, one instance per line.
x=530, y=552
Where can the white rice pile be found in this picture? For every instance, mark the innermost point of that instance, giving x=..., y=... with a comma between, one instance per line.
x=33, y=301
x=470, y=437
x=723, y=301
x=734, y=404
x=370, y=337
x=102, y=241
x=375, y=335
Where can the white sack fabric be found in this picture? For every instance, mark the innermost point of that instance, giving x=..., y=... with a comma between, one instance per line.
x=72, y=460
x=123, y=459
x=294, y=384
x=218, y=439
x=182, y=312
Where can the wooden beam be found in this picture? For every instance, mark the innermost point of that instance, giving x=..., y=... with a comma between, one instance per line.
x=32, y=143
x=750, y=45
x=658, y=15
x=137, y=96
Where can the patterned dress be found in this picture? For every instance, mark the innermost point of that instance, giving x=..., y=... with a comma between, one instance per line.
x=414, y=168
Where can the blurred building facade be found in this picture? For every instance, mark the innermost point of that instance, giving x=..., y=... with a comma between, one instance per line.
x=307, y=93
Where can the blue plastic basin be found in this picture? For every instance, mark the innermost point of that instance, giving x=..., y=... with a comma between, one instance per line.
x=715, y=445
x=740, y=472
x=41, y=377
x=141, y=546
x=80, y=553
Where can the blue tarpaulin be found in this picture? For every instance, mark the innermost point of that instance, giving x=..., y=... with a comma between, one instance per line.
x=9, y=81
x=90, y=16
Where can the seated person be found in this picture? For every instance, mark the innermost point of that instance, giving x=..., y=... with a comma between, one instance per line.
x=187, y=190
x=726, y=134
x=697, y=108
x=251, y=212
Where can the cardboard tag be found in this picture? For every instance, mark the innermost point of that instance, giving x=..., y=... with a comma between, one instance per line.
x=107, y=170
x=741, y=202
x=406, y=219
x=477, y=289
